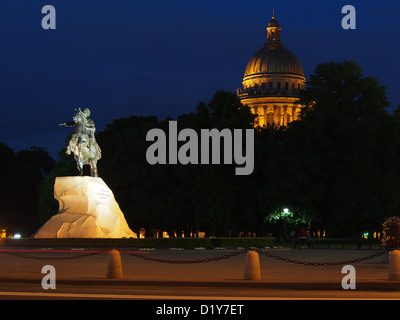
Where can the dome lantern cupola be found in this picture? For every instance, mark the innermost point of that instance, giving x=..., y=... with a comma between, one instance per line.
x=273, y=32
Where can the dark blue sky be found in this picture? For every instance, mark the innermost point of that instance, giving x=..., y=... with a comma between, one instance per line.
x=127, y=57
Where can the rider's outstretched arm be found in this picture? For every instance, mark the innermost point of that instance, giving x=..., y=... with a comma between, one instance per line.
x=68, y=124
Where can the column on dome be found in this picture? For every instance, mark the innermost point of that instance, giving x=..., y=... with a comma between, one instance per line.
x=260, y=116
x=265, y=116
x=279, y=115
x=270, y=117
x=294, y=113
x=285, y=123
x=276, y=117
x=289, y=115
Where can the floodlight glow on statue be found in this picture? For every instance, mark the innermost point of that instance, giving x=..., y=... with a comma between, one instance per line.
x=83, y=143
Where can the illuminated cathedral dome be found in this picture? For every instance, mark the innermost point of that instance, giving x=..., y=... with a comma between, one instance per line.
x=272, y=81
x=273, y=60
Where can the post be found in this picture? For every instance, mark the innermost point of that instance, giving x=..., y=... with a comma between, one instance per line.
x=252, y=266
x=394, y=265
x=114, y=265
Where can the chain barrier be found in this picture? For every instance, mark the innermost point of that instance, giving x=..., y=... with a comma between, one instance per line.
x=226, y=256
x=32, y=257
x=321, y=264
x=266, y=253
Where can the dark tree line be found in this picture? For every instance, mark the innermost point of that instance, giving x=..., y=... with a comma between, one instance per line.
x=21, y=175
x=336, y=169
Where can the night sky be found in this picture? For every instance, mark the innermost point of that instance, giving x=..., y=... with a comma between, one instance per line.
x=124, y=57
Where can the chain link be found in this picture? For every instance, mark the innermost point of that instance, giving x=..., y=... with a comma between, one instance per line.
x=322, y=264
x=226, y=256
x=21, y=255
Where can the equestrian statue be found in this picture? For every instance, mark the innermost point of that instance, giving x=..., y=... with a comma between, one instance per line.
x=83, y=142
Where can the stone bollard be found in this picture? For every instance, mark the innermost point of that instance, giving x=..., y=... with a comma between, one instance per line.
x=252, y=266
x=394, y=265
x=114, y=265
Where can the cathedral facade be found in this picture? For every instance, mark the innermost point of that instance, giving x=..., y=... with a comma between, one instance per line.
x=272, y=81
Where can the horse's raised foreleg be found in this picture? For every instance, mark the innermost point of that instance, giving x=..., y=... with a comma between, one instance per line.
x=79, y=165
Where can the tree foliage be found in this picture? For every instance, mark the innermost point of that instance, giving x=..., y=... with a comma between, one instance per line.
x=22, y=174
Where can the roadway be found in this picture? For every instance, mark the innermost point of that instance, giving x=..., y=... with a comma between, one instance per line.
x=84, y=278
x=21, y=291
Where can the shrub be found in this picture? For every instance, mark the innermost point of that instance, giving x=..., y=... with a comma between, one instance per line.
x=391, y=233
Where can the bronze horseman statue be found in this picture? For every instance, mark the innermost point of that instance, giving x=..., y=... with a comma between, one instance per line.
x=83, y=142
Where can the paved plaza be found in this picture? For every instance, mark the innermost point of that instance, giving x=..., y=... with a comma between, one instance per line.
x=71, y=268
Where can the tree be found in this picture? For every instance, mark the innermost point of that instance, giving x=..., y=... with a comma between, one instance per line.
x=22, y=174
x=344, y=112
x=34, y=165
x=9, y=185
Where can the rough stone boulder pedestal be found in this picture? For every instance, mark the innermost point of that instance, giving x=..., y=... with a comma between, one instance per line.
x=87, y=210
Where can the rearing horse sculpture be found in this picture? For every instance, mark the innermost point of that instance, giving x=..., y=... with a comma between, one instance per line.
x=83, y=143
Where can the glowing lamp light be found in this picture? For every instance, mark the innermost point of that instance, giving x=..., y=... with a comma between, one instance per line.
x=17, y=236
x=286, y=211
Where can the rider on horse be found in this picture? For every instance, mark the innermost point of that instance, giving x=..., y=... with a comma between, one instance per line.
x=83, y=143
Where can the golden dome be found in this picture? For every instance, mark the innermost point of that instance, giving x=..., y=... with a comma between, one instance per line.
x=273, y=59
